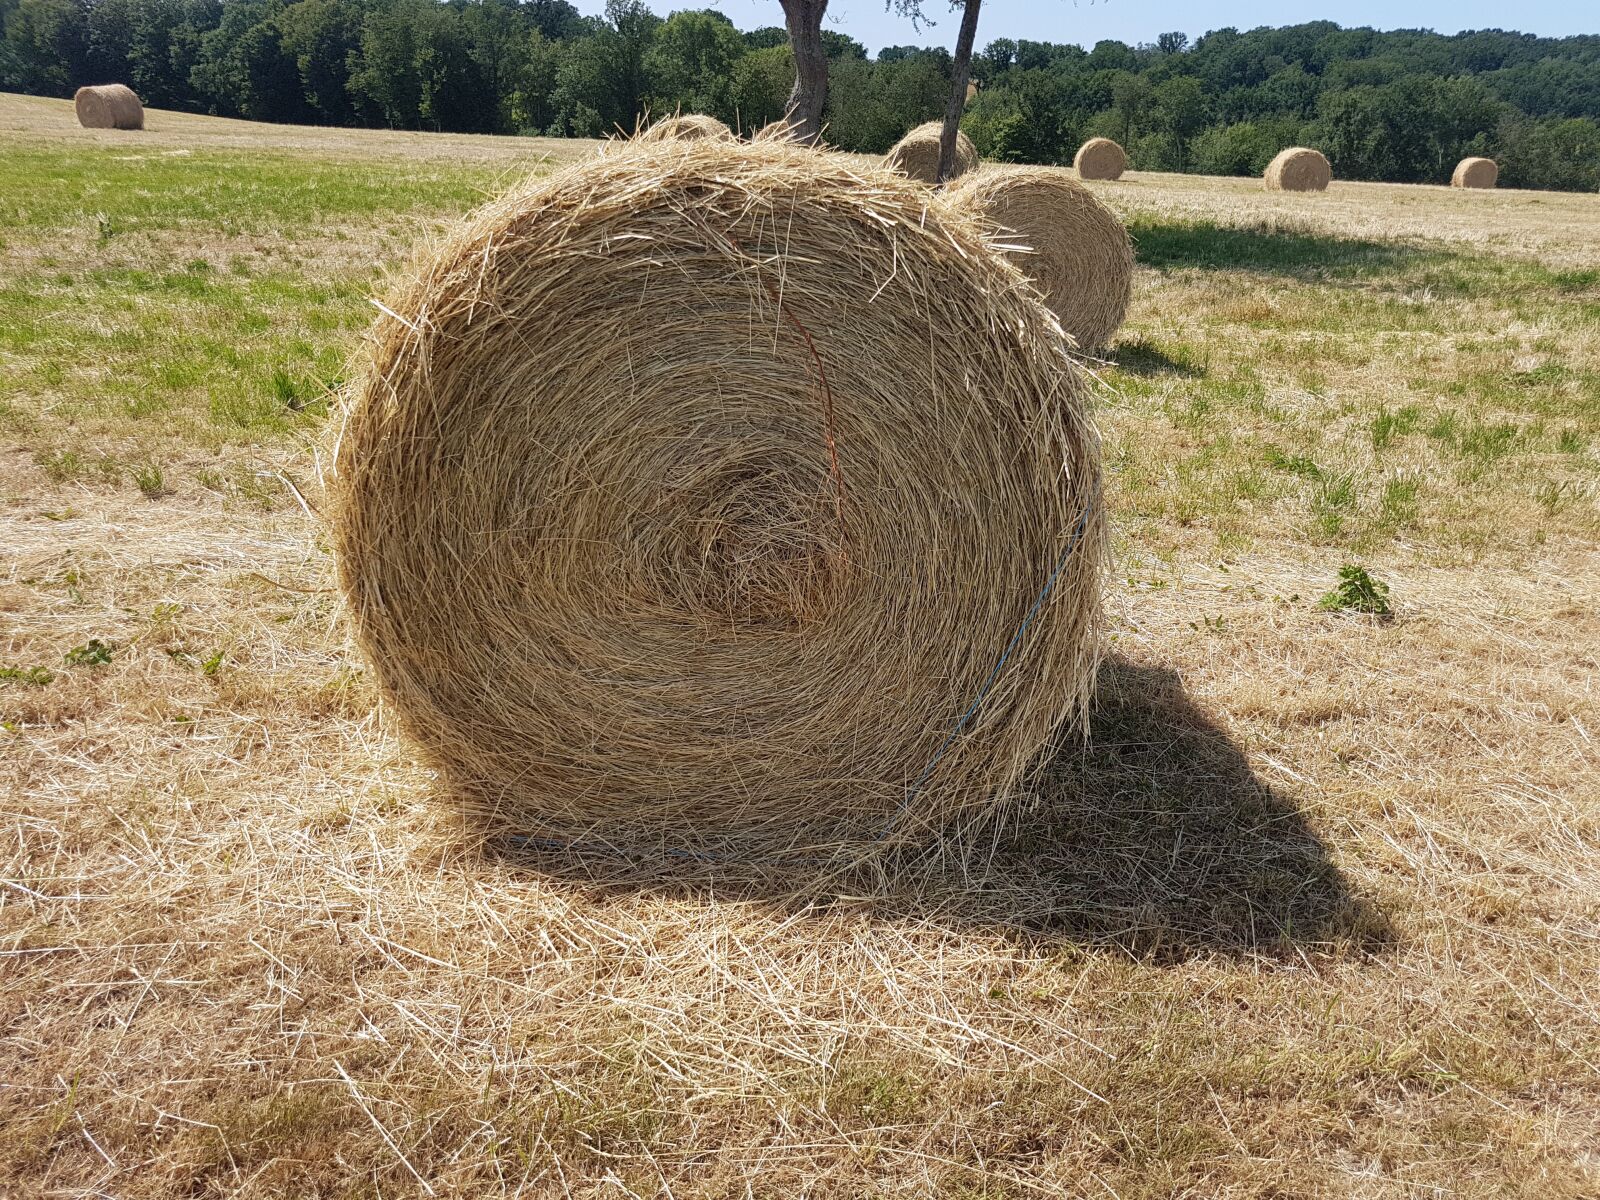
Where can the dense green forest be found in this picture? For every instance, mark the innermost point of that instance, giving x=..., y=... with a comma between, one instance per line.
x=1401, y=106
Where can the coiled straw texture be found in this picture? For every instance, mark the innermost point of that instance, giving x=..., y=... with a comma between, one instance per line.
x=1060, y=236
x=1100, y=158
x=693, y=495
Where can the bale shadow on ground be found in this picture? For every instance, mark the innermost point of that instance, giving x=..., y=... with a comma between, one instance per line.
x=1264, y=248
x=1154, y=837
x=1141, y=356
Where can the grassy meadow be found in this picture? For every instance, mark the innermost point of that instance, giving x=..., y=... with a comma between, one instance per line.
x=1314, y=912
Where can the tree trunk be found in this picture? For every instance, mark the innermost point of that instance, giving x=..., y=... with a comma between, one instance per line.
x=804, y=112
x=958, y=88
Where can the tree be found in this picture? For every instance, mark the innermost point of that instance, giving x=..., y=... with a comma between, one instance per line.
x=323, y=36
x=690, y=64
x=961, y=72
x=810, y=92
x=1172, y=43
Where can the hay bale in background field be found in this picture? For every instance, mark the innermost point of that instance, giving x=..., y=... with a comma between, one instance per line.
x=1100, y=158
x=917, y=154
x=1298, y=169
x=1077, y=251
x=777, y=131
x=689, y=127
x=1475, y=173
x=692, y=495
x=108, y=106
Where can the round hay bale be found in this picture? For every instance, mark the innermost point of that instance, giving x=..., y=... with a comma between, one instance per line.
x=1475, y=173
x=722, y=499
x=1100, y=158
x=917, y=154
x=689, y=127
x=1072, y=247
x=778, y=131
x=108, y=106
x=1298, y=169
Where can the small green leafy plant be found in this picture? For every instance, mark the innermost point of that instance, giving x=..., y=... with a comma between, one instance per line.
x=1359, y=592
x=38, y=676
x=93, y=653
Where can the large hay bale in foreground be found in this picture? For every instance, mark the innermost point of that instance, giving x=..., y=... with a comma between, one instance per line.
x=688, y=127
x=1100, y=158
x=108, y=106
x=722, y=497
x=1070, y=245
x=917, y=154
x=1298, y=169
x=1475, y=173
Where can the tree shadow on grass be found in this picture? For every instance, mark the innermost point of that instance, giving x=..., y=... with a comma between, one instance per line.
x=1154, y=837
x=1264, y=247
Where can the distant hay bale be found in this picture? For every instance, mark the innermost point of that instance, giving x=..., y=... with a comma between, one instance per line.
x=917, y=154
x=1298, y=169
x=778, y=131
x=689, y=127
x=1475, y=173
x=1100, y=158
x=1077, y=252
x=108, y=106
x=694, y=497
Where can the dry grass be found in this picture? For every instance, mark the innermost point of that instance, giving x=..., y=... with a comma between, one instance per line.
x=1314, y=912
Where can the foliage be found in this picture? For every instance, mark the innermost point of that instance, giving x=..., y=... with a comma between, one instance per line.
x=93, y=653
x=1403, y=106
x=1359, y=592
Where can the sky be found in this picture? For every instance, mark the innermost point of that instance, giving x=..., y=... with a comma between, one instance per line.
x=1135, y=21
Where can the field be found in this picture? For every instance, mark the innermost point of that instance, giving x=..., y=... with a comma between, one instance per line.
x=1314, y=912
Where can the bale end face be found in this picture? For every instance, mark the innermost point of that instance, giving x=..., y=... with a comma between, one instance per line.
x=1298, y=169
x=708, y=567
x=1475, y=173
x=1070, y=245
x=1100, y=158
x=108, y=106
x=917, y=154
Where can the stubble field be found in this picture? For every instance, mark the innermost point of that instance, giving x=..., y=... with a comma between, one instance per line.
x=1314, y=912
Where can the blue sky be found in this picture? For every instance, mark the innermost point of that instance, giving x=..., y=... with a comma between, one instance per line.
x=1140, y=20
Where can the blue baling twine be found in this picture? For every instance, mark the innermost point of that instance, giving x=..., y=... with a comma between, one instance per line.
x=983, y=692
x=922, y=779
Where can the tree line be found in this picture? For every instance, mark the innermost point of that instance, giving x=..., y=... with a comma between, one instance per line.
x=1400, y=106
